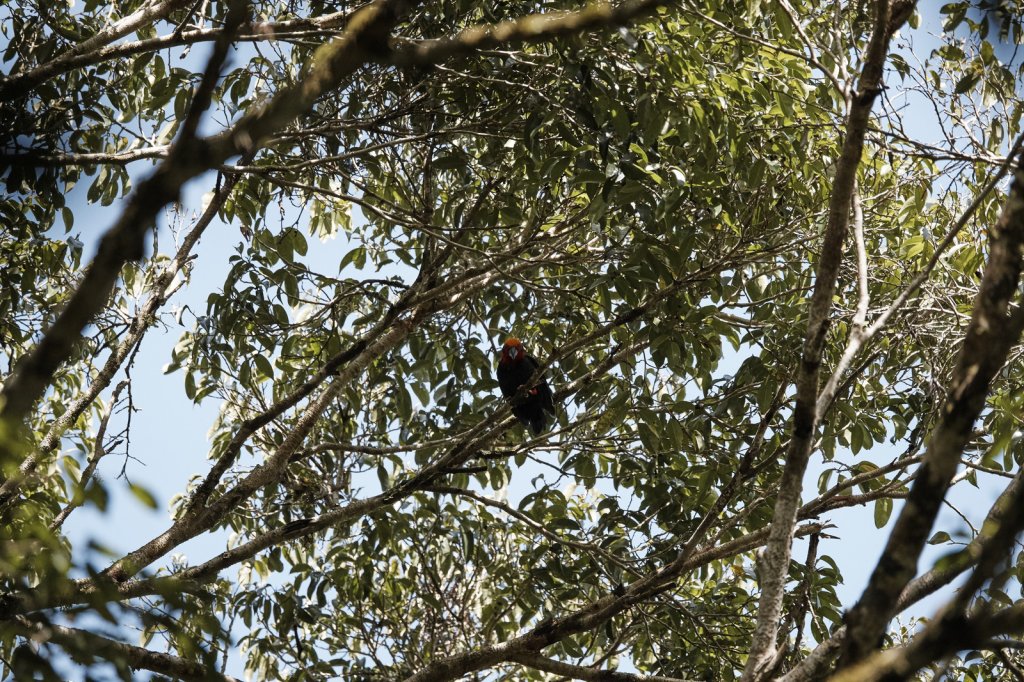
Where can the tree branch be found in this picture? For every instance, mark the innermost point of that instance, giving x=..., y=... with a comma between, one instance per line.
x=813, y=666
x=163, y=286
x=579, y=672
x=106, y=49
x=990, y=334
x=779, y=549
x=963, y=632
x=76, y=641
x=188, y=157
x=19, y=84
x=531, y=28
x=859, y=340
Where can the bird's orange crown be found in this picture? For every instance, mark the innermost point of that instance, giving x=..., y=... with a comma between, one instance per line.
x=512, y=351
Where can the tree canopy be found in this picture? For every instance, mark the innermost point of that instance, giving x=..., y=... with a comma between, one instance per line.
x=767, y=254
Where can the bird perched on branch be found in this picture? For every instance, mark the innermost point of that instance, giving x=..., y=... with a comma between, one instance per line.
x=515, y=369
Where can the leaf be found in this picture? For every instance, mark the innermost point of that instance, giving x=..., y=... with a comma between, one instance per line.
x=143, y=495
x=356, y=256
x=966, y=83
x=264, y=365
x=883, y=510
x=72, y=467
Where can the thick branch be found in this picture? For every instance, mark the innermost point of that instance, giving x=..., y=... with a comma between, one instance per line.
x=779, y=548
x=896, y=665
x=861, y=336
x=990, y=334
x=143, y=320
x=813, y=666
x=550, y=665
x=97, y=52
x=36, y=158
x=75, y=640
x=943, y=630
x=531, y=28
x=19, y=84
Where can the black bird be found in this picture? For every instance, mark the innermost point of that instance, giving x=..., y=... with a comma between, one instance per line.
x=514, y=369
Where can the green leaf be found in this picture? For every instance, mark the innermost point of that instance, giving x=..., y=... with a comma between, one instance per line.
x=883, y=510
x=263, y=364
x=356, y=256
x=143, y=495
x=966, y=83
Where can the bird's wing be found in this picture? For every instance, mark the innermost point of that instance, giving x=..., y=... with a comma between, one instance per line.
x=547, y=398
x=506, y=380
x=543, y=389
x=531, y=362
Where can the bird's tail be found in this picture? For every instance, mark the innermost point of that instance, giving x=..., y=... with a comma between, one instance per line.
x=537, y=424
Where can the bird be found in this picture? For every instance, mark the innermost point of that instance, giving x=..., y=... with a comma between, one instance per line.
x=515, y=368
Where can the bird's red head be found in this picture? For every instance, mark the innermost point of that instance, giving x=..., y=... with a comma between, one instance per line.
x=512, y=352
